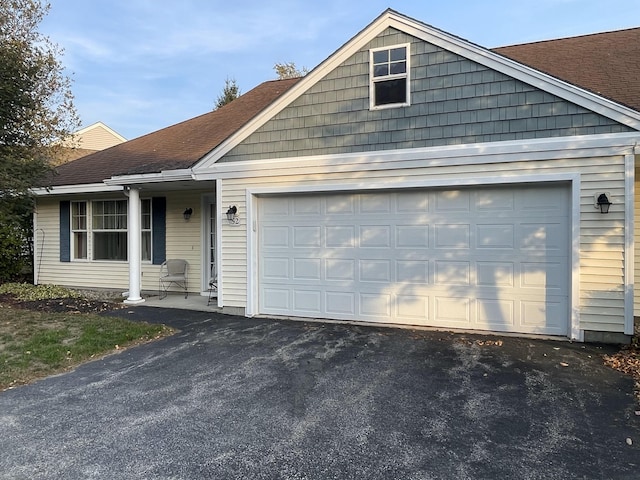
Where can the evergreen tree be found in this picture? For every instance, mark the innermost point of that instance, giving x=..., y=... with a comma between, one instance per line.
x=229, y=93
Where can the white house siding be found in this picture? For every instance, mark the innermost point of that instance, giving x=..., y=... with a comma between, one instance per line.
x=602, y=238
x=183, y=240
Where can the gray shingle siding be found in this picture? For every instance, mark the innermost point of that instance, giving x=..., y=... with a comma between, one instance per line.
x=453, y=101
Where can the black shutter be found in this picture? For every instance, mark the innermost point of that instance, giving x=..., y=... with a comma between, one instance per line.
x=159, y=229
x=65, y=231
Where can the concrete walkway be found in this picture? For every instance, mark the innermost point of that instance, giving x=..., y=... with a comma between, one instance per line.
x=236, y=398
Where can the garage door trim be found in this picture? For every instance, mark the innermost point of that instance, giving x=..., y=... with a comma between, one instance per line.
x=573, y=179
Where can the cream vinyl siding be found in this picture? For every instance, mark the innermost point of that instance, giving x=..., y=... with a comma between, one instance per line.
x=183, y=240
x=234, y=249
x=601, y=237
x=97, y=138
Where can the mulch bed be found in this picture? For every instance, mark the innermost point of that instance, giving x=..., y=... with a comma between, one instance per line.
x=62, y=305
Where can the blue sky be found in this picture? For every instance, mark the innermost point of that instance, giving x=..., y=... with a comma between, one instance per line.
x=141, y=65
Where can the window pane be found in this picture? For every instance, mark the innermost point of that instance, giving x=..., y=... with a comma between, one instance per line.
x=78, y=216
x=146, y=246
x=398, y=54
x=381, y=70
x=80, y=245
x=391, y=91
x=381, y=56
x=110, y=245
x=398, y=67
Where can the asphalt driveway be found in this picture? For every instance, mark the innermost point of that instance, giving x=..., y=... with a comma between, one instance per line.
x=237, y=398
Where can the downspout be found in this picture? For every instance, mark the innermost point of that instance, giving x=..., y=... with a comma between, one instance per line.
x=133, y=250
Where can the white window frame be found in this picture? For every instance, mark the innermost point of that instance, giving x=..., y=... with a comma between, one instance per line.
x=146, y=230
x=95, y=230
x=88, y=231
x=76, y=230
x=405, y=75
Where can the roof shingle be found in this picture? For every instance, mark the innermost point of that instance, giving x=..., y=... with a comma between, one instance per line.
x=175, y=147
x=607, y=64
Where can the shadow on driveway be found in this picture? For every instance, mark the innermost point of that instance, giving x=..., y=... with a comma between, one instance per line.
x=236, y=398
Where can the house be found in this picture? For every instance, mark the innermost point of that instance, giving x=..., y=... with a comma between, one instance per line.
x=411, y=178
x=87, y=140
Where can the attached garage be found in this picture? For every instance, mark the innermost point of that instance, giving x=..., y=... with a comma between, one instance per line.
x=489, y=258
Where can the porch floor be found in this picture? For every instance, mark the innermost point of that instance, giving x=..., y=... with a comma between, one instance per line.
x=176, y=300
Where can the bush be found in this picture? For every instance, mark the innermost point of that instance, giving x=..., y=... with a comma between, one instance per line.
x=14, y=254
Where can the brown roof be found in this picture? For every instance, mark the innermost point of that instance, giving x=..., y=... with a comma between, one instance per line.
x=176, y=147
x=607, y=64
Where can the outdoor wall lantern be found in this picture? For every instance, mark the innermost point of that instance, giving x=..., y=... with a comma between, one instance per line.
x=603, y=202
x=187, y=213
x=232, y=215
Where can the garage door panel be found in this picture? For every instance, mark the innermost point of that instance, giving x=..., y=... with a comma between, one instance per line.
x=341, y=303
x=309, y=301
x=340, y=269
x=495, y=274
x=340, y=236
x=375, y=305
x=497, y=314
x=375, y=236
x=412, y=271
x=542, y=237
x=307, y=269
x=471, y=258
x=452, y=272
x=413, y=309
x=495, y=236
x=375, y=271
x=307, y=237
x=452, y=236
x=454, y=311
x=275, y=236
x=276, y=268
x=277, y=299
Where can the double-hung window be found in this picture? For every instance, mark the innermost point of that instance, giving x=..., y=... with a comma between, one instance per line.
x=389, y=77
x=109, y=227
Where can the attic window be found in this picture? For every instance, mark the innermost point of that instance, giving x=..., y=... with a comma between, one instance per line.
x=389, y=76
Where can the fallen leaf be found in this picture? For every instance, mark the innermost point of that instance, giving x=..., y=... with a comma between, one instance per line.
x=564, y=364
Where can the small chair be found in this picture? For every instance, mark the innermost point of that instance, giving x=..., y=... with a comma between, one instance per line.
x=173, y=272
x=213, y=285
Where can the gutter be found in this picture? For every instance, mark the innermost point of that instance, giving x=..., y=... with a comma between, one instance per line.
x=163, y=176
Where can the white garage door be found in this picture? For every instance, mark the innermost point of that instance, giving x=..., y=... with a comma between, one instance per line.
x=483, y=258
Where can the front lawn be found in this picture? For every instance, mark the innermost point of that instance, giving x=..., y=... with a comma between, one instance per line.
x=38, y=342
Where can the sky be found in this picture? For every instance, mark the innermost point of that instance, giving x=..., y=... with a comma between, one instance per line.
x=142, y=65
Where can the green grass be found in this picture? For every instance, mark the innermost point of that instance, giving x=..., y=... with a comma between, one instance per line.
x=36, y=344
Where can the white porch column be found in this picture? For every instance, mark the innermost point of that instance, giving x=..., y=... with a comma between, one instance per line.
x=133, y=235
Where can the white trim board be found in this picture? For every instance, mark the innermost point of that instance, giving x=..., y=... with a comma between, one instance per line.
x=451, y=155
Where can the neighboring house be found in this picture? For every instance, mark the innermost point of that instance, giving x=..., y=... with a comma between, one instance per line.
x=411, y=178
x=88, y=140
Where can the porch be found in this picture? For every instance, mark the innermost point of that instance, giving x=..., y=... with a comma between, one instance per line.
x=176, y=300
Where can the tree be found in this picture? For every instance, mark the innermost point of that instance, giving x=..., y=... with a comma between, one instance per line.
x=230, y=92
x=36, y=114
x=289, y=70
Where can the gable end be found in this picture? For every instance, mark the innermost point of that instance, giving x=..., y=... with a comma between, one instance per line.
x=454, y=101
